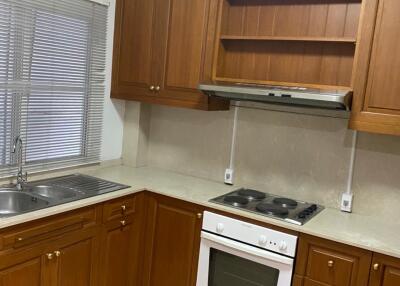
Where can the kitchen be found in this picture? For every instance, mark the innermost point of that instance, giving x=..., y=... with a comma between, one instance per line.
x=203, y=142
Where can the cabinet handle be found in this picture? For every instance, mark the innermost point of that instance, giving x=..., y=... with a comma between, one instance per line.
x=376, y=266
x=199, y=215
x=330, y=263
x=123, y=208
x=19, y=239
x=57, y=253
x=49, y=256
x=158, y=88
x=123, y=222
x=152, y=87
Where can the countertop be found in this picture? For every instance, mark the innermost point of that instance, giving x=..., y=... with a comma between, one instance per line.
x=374, y=234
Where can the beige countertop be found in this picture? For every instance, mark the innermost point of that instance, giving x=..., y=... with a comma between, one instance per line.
x=375, y=234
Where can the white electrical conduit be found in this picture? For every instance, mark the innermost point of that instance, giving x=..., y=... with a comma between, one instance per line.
x=234, y=132
x=352, y=159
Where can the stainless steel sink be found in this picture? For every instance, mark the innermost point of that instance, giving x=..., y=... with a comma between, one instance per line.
x=17, y=202
x=52, y=192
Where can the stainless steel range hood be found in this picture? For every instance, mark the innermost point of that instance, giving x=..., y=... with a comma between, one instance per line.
x=331, y=99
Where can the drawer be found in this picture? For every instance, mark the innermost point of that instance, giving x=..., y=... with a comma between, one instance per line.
x=329, y=267
x=119, y=208
x=35, y=232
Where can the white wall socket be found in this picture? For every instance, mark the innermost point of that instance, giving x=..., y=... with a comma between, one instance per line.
x=347, y=202
x=228, y=176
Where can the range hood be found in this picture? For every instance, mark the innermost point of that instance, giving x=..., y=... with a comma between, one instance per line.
x=300, y=96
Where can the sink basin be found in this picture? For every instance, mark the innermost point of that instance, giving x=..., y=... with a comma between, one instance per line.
x=17, y=202
x=52, y=192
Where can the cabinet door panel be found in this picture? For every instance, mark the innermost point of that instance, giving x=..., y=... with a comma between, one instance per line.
x=133, y=49
x=174, y=240
x=182, y=55
x=383, y=90
x=385, y=271
x=75, y=263
x=23, y=274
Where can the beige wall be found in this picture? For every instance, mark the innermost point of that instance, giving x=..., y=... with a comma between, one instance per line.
x=303, y=156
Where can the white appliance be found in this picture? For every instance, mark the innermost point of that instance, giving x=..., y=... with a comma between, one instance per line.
x=237, y=253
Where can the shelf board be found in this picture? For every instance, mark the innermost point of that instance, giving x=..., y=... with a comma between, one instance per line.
x=298, y=39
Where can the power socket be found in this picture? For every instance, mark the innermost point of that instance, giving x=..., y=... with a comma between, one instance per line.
x=228, y=176
x=347, y=202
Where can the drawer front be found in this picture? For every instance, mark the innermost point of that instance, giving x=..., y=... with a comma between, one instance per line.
x=28, y=234
x=119, y=208
x=329, y=267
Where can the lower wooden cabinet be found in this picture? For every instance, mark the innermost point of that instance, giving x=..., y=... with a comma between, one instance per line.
x=172, y=242
x=121, y=243
x=385, y=271
x=322, y=263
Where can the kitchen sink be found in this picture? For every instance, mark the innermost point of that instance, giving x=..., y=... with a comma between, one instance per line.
x=13, y=202
x=52, y=192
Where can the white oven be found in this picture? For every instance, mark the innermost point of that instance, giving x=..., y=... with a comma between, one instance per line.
x=237, y=253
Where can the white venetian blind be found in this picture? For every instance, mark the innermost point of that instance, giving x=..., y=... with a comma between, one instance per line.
x=52, y=73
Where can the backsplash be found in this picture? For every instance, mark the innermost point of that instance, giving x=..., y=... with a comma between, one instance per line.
x=303, y=156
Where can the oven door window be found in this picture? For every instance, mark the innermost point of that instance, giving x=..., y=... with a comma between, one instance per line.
x=229, y=270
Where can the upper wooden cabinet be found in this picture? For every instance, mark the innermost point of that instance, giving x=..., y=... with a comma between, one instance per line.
x=385, y=271
x=159, y=52
x=376, y=105
x=293, y=43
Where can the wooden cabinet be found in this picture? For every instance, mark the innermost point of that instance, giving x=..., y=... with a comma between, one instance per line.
x=159, y=52
x=172, y=242
x=376, y=106
x=121, y=241
x=321, y=263
x=385, y=271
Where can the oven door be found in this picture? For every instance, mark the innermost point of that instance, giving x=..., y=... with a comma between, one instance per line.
x=226, y=262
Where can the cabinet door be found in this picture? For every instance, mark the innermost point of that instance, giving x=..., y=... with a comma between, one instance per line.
x=27, y=273
x=376, y=105
x=385, y=271
x=133, y=49
x=173, y=242
x=76, y=259
x=323, y=262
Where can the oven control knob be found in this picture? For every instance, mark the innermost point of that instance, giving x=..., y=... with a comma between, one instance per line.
x=282, y=246
x=220, y=227
x=262, y=240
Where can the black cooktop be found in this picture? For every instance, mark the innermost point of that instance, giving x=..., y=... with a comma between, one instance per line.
x=293, y=211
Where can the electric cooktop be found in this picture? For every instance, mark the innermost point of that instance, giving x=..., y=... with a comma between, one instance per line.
x=286, y=209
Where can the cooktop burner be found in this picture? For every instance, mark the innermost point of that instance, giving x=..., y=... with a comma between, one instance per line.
x=236, y=201
x=289, y=210
x=251, y=194
x=284, y=202
x=272, y=209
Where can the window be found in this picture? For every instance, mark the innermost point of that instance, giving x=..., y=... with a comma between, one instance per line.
x=52, y=73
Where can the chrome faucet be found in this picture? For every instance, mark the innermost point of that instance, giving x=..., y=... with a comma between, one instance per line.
x=21, y=178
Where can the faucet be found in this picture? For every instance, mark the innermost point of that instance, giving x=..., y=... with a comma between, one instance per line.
x=21, y=178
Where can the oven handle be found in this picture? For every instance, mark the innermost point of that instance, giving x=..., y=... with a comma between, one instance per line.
x=247, y=248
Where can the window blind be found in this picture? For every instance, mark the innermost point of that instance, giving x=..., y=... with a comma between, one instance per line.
x=52, y=73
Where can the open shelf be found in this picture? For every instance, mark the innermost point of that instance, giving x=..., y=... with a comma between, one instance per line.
x=299, y=39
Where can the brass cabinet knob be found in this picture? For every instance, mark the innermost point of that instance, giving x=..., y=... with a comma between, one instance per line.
x=57, y=253
x=49, y=256
x=376, y=266
x=123, y=208
x=199, y=215
x=123, y=222
x=152, y=87
x=158, y=88
x=331, y=263
x=20, y=239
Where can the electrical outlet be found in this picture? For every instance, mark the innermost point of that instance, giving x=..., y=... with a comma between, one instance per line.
x=347, y=202
x=228, y=176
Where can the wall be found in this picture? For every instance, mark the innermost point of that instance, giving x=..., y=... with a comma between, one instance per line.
x=298, y=155
x=114, y=110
